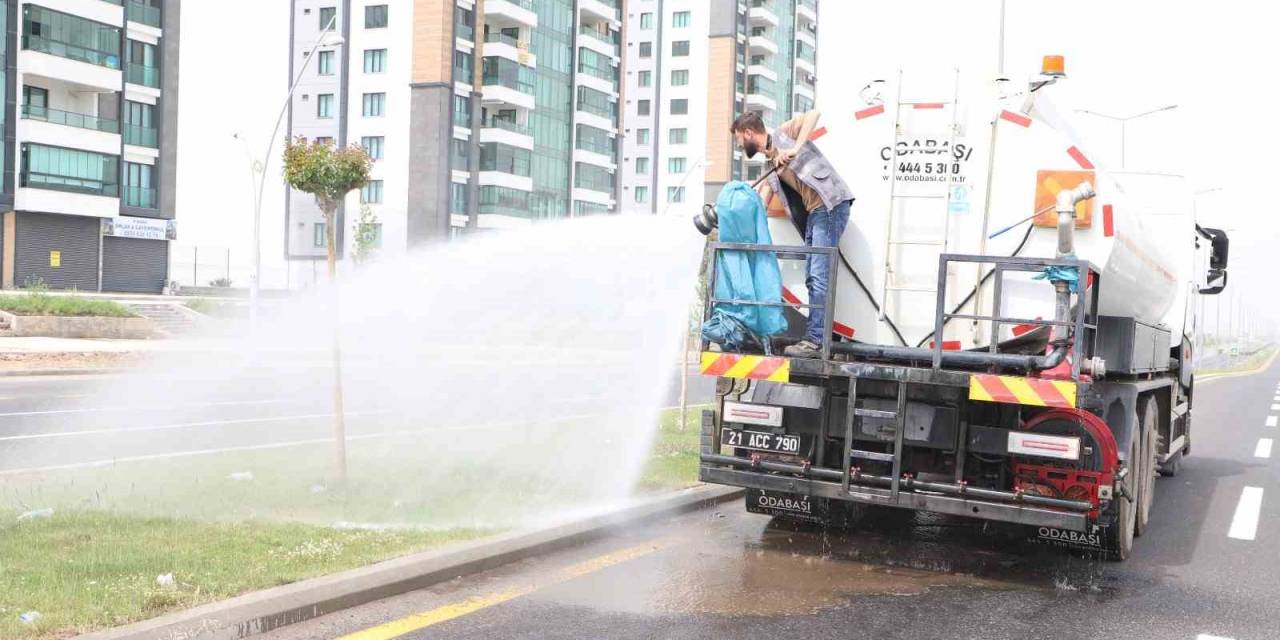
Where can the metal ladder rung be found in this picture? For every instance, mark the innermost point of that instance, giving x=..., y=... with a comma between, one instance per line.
x=875, y=413
x=921, y=243
x=912, y=289
x=871, y=455
x=921, y=196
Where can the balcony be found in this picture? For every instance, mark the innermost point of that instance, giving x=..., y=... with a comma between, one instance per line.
x=55, y=182
x=507, y=132
x=510, y=13
x=762, y=71
x=70, y=119
x=507, y=82
x=602, y=42
x=141, y=197
x=762, y=44
x=142, y=75
x=464, y=32
x=140, y=136
x=763, y=13
x=513, y=49
x=600, y=11
x=143, y=14
x=71, y=51
x=807, y=10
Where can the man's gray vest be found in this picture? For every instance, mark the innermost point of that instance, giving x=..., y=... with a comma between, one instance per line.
x=814, y=170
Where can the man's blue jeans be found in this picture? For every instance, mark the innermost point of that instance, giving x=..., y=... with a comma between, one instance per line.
x=823, y=230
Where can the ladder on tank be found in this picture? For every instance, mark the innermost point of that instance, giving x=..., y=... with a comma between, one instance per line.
x=854, y=416
x=889, y=284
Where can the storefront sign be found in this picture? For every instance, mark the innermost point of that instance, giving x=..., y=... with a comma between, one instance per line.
x=141, y=228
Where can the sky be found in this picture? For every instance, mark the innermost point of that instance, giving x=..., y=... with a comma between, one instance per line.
x=1214, y=60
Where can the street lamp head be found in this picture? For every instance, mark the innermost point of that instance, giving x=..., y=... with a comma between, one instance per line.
x=330, y=40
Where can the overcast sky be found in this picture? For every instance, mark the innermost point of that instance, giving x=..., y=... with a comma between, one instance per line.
x=1214, y=60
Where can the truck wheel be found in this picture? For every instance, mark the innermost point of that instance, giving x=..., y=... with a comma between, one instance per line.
x=1146, y=480
x=1119, y=538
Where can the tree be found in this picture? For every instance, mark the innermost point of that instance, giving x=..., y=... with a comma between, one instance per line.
x=365, y=234
x=329, y=174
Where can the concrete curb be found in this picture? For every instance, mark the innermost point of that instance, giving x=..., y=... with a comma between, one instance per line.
x=1237, y=374
x=19, y=373
x=263, y=611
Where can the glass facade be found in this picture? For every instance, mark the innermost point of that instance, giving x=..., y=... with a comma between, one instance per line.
x=59, y=169
x=143, y=69
x=495, y=156
x=552, y=122
x=139, y=189
x=139, y=124
x=69, y=36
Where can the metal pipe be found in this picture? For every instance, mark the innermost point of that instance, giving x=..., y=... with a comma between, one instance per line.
x=961, y=359
x=904, y=483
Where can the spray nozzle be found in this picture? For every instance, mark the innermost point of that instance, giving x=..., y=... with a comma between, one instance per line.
x=706, y=221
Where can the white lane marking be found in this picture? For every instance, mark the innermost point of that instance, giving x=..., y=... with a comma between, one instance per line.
x=1271, y=421
x=1205, y=636
x=183, y=425
x=1275, y=407
x=1264, y=448
x=497, y=426
x=156, y=408
x=1244, y=524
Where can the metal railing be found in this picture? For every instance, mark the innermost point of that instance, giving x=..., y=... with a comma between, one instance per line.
x=508, y=125
x=500, y=37
x=595, y=34
x=144, y=75
x=145, y=14
x=609, y=74
x=780, y=253
x=140, y=136
x=71, y=51
x=73, y=184
x=69, y=118
x=510, y=81
x=464, y=31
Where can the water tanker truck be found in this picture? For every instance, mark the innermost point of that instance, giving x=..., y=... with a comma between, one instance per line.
x=1012, y=327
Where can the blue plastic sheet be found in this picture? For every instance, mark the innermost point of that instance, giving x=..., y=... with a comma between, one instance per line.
x=1069, y=274
x=745, y=275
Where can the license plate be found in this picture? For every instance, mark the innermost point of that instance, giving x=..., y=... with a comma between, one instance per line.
x=761, y=441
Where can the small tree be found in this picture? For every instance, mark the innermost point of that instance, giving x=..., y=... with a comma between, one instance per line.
x=329, y=174
x=365, y=234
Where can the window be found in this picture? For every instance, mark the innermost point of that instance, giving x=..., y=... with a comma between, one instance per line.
x=596, y=140
x=371, y=192
x=680, y=19
x=324, y=105
x=324, y=140
x=373, y=145
x=461, y=111
x=143, y=67
x=317, y=235
x=69, y=36
x=679, y=48
x=675, y=165
x=72, y=170
x=506, y=159
x=646, y=21
x=679, y=107
x=679, y=77
x=645, y=78
x=642, y=166
x=642, y=107
x=589, y=176
x=327, y=14
x=675, y=194
x=138, y=189
x=642, y=194
x=324, y=65
x=642, y=136
x=678, y=136
x=375, y=16
x=36, y=99
x=375, y=60
x=646, y=49
x=372, y=231
x=374, y=104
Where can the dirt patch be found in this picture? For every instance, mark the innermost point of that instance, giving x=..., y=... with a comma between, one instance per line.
x=67, y=360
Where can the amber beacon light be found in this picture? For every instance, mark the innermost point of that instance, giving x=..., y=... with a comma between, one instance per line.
x=1055, y=66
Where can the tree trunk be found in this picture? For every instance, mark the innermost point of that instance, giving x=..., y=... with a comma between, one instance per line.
x=339, y=419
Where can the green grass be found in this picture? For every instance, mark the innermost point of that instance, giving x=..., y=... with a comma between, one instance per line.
x=94, y=563
x=43, y=304
x=1248, y=363
x=673, y=463
x=84, y=571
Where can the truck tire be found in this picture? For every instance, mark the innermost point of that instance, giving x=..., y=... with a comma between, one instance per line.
x=1118, y=542
x=1146, y=484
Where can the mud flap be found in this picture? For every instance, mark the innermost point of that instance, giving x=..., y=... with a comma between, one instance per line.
x=1091, y=540
x=791, y=506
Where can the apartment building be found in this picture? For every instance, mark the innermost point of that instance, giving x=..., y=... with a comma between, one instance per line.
x=691, y=67
x=479, y=114
x=90, y=130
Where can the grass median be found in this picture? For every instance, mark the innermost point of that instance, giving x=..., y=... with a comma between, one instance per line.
x=43, y=304
x=248, y=521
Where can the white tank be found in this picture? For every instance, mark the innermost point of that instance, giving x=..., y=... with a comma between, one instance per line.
x=1138, y=230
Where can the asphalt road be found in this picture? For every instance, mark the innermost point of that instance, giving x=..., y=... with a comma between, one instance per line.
x=1205, y=569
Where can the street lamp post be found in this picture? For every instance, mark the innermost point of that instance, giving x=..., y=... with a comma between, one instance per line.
x=327, y=39
x=1125, y=121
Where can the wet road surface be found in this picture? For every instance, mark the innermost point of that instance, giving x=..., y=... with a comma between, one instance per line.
x=1208, y=567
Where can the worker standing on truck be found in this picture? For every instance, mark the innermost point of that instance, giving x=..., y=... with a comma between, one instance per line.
x=812, y=190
